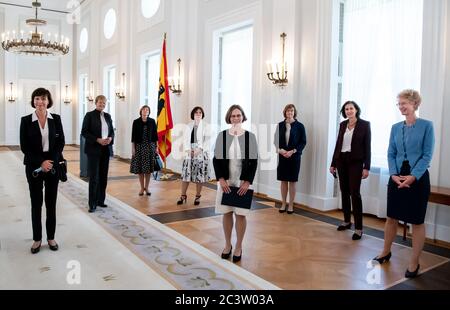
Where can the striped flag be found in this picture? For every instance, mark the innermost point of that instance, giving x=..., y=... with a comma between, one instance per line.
x=164, y=119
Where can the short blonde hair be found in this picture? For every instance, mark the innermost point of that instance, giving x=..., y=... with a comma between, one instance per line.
x=411, y=95
x=100, y=97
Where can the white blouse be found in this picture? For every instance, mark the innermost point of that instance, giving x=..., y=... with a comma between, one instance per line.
x=44, y=131
x=347, y=143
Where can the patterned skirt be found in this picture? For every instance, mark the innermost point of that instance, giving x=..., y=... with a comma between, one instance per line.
x=143, y=162
x=196, y=168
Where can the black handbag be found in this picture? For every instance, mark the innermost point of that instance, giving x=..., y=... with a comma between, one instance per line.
x=234, y=200
x=62, y=170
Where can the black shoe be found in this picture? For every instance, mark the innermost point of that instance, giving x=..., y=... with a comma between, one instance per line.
x=412, y=274
x=53, y=247
x=383, y=259
x=356, y=236
x=282, y=210
x=103, y=206
x=197, y=200
x=344, y=227
x=227, y=255
x=289, y=212
x=237, y=258
x=92, y=209
x=148, y=193
x=36, y=250
x=182, y=200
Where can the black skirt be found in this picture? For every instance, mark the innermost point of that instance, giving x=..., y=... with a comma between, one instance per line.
x=409, y=204
x=288, y=168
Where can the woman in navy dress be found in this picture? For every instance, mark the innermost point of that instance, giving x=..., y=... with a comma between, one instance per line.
x=409, y=155
x=290, y=140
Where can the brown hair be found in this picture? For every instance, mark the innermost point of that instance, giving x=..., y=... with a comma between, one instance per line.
x=145, y=107
x=231, y=109
x=42, y=92
x=194, y=110
x=290, y=106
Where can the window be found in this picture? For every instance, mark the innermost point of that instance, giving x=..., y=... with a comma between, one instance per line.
x=83, y=93
x=109, y=26
x=109, y=87
x=84, y=40
x=150, y=66
x=381, y=55
x=232, y=73
x=149, y=7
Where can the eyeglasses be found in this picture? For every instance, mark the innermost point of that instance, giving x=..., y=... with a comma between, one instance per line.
x=402, y=104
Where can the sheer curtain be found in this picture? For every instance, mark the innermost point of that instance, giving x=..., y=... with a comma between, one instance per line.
x=382, y=51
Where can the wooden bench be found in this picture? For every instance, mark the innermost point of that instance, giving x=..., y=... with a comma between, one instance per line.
x=439, y=195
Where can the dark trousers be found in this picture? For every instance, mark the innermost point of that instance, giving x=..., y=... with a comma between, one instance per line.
x=98, y=166
x=350, y=173
x=50, y=181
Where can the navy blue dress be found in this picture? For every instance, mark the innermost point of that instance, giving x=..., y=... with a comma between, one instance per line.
x=289, y=168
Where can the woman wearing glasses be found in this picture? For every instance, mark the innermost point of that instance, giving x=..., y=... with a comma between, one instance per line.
x=409, y=155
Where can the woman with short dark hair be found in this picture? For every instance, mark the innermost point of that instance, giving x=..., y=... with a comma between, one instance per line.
x=351, y=160
x=143, y=148
x=42, y=142
x=196, y=162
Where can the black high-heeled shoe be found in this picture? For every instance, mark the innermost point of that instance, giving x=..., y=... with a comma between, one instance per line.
x=344, y=227
x=182, y=200
x=412, y=274
x=383, y=259
x=197, y=200
x=237, y=258
x=356, y=236
x=53, y=247
x=147, y=192
x=227, y=255
x=36, y=250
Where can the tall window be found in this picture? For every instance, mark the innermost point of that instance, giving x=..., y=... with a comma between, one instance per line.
x=109, y=87
x=83, y=103
x=232, y=73
x=150, y=65
x=381, y=55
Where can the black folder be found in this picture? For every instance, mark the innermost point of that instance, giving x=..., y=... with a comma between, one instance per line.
x=234, y=200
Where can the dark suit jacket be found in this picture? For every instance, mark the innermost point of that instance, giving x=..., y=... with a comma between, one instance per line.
x=31, y=140
x=249, y=153
x=138, y=130
x=297, y=139
x=92, y=130
x=360, y=143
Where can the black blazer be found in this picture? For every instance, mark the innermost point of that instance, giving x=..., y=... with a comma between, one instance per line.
x=249, y=153
x=31, y=140
x=360, y=143
x=138, y=130
x=92, y=130
x=297, y=139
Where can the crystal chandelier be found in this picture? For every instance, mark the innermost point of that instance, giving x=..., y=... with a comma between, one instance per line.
x=36, y=43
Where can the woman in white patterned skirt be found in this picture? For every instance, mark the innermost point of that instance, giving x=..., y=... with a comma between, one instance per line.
x=196, y=162
x=235, y=163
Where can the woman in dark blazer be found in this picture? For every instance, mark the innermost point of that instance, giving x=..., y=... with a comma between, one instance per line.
x=235, y=162
x=351, y=159
x=42, y=142
x=98, y=131
x=290, y=140
x=143, y=148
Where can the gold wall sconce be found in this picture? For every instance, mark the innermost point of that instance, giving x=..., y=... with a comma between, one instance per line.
x=67, y=99
x=175, y=85
x=120, y=90
x=277, y=71
x=11, y=97
x=90, y=96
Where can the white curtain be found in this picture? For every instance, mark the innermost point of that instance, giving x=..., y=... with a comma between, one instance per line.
x=382, y=51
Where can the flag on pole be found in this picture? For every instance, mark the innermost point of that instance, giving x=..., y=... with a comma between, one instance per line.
x=164, y=118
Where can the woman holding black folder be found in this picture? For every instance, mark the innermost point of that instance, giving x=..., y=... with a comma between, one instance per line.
x=235, y=162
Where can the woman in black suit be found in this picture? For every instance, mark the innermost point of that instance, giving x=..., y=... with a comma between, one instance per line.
x=42, y=142
x=143, y=148
x=351, y=159
x=290, y=140
x=98, y=131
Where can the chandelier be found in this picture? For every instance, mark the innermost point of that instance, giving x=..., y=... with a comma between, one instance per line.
x=36, y=43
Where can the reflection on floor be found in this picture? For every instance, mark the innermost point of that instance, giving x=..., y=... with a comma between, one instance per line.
x=299, y=251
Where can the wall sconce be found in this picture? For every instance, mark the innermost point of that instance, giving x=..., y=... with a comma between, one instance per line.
x=176, y=88
x=11, y=97
x=280, y=79
x=67, y=99
x=90, y=96
x=120, y=91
